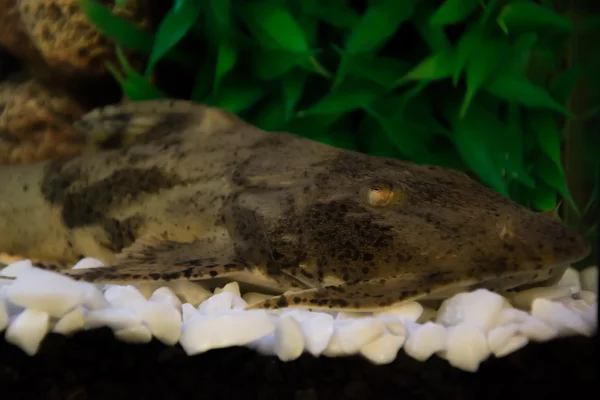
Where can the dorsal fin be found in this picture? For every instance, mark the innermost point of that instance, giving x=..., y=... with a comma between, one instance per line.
x=119, y=125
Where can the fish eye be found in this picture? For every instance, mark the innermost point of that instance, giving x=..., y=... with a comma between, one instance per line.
x=379, y=194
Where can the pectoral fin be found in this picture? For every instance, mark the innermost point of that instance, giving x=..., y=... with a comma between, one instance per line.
x=156, y=259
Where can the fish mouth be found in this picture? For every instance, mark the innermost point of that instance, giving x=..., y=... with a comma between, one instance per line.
x=519, y=281
x=509, y=283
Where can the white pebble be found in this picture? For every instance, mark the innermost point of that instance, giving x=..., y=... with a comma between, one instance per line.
x=479, y=308
x=163, y=320
x=589, y=279
x=265, y=345
x=559, y=315
x=71, y=322
x=3, y=314
x=352, y=335
x=254, y=298
x=134, y=334
x=28, y=330
x=425, y=340
x=334, y=347
x=188, y=312
x=93, y=297
x=114, y=318
x=590, y=316
x=577, y=305
x=466, y=347
x=231, y=287
x=46, y=291
x=510, y=315
x=394, y=324
x=514, y=343
x=352, y=315
x=166, y=296
x=190, y=292
x=499, y=337
x=537, y=330
x=289, y=342
x=13, y=270
x=570, y=279
x=383, y=350
x=124, y=297
x=588, y=296
x=525, y=298
x=317, y=328
x=219, y=302
x=88, y=262
x=411, y=311
x=238, y=303
x=232, y=328
x=11, y=308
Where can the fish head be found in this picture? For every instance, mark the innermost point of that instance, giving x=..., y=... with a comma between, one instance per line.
x=366, y=218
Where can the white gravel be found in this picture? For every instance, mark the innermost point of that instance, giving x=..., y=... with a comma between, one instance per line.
x=466, y=329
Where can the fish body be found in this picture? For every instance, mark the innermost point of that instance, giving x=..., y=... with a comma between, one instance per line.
x=174, y=190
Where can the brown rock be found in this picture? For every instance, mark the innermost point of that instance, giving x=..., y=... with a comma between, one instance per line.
x=56, y=35
x=36, y=122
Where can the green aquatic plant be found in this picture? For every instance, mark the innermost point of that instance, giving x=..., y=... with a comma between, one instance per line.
x=485, y=86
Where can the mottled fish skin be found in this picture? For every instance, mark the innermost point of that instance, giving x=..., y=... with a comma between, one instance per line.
x=176, y=190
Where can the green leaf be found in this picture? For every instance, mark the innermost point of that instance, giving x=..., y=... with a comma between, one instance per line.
x=520, y=90
x=237, y=96
x=482, y=65
x=435, y=67
x=553, y=175
x=269, y=64
x=410, y=138
x=379, y=69
x=276, y=23
x=378, y=24
x=125, y=33
x=511, y=148
x=339, y=135
x=173, y=27
x=543, y=197
x=562, y=86
x=335, y=12
x=549, y=138
x=419, y=110
x=135, y=86
x=595, y=194
x=220, y=14
x=311, y=126
x=292, y=87
x=473, y=144
x=433, y=35
x=226, y=59
x=204, y=80
x=453, y=11
x=351, y=95
x=528, y=16
x=120, y=30
x=374, y=140
x=468, y=43
x=270, y=115
x=522, y=49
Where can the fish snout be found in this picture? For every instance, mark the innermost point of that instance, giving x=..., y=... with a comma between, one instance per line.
x=545, y=241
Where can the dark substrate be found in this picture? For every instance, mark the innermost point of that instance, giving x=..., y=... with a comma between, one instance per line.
x=94, y=365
